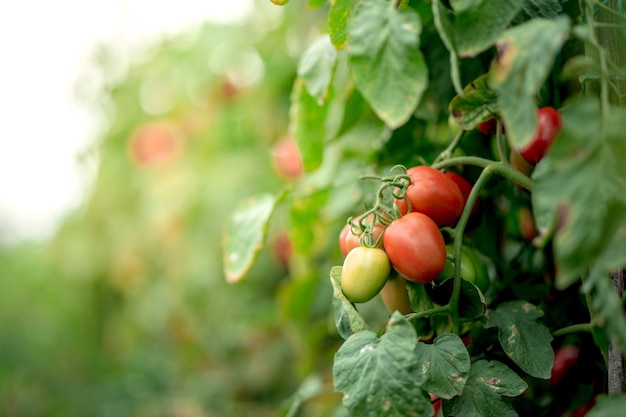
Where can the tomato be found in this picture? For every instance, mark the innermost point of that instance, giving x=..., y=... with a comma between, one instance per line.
x=365, y=271
x=436, y=402
x=432, y=193
x=395, y=295
x=564, y=358
x=283, y=249
x=472, y=268
x=155, y=143
x=415, y=247
x=280, y=2
x=349, y=240
x=549, y=124
x=489, y=127
x=286, y=158
x=466, y=188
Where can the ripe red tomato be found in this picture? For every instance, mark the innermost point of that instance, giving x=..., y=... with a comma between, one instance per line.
x=154, y=143
x=415, y=247
x=432, y=193
x=395, y=295
x=365, y=271
x=564, y=358
x=489, y=127
x=286, y=158
x=466, y=188
x=549, y=124
x=349, y=240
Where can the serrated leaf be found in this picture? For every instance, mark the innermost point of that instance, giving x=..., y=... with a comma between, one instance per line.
x=582, y=181
x=378, y=376
x=338, y=18
x=245, y=235
x=347, y=318
x=308, y=118
x=387, y=66
x=316, y=67
x=477, y=104
x=482, y=395
x=526, y=54
x=523, y=338
x=446, y=364
x=606, y=405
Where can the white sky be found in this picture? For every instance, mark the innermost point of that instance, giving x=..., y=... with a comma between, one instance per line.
x=44, y=46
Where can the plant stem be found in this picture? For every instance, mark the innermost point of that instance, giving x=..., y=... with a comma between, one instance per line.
x=430, y=312
x=574, y=328
x=484, y=177
x=500, y=167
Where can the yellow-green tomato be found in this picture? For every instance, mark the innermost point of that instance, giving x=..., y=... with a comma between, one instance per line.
x=365, y=271
x=395, y=295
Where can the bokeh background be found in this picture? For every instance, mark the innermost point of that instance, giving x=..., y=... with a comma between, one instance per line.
x=114, y=196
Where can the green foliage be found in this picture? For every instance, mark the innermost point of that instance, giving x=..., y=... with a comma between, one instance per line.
x=380, y=376
x=525, y=340
x=386, y=64
x=245, y=234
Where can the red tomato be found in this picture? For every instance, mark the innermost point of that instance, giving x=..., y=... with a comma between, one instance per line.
x=155, y=143
x=283, y=250
x=564, y=358
x=286, y=158
x=432, y=193
x=466, y=188
x=395, y=296
x=489, y=127
x=349, y=240
x=549, y=124
x=365, y=271
x=415, y=247
x=436, y=402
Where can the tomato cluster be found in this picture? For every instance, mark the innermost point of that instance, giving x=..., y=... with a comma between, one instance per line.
x=405, y=238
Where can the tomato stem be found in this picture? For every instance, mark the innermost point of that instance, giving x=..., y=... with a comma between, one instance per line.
x=430, y=312
x=447, y=153
x=484, y=177
x=574, y=328
x=500, y=167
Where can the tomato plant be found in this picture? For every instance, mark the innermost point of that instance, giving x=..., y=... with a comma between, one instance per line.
x=365, y=272
x=395, y=84
x=434, y=194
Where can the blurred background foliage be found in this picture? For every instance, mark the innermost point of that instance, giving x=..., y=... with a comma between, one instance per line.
x=125, y=310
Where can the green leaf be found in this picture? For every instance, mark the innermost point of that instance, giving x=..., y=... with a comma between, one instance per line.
x=461, y=5
x=418, y=298
x=465, y=36
x=446, y=364
x=347, y=318
x=245, y=235
x=542, y=8
x=581, y=181
x=526, y=54
x=307, y=118
x=338, y=18
x=313, y=4
x=477, y=104
x=482, y=396
x=606, y=405
x=472, y=303
x=523, y=338
x=316, y=67
x=379, y=376
x=387, y=66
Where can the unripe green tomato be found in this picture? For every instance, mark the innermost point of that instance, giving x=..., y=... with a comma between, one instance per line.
x=395, y=295
x=472, y=268
x=364, y=274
